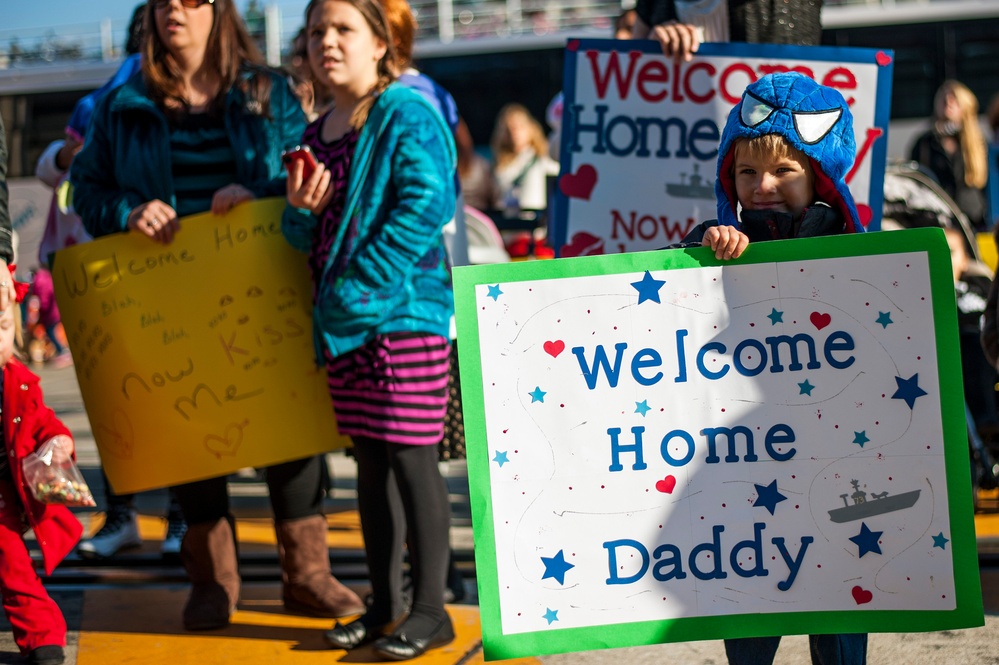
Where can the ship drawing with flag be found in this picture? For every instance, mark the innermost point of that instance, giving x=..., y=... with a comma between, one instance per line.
x=878, y=504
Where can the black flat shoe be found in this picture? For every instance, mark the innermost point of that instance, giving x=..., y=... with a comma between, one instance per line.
x=50, y=654
x=400, y=646
x=351, y=635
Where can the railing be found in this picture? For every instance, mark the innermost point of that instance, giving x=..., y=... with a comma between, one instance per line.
x=438, y=21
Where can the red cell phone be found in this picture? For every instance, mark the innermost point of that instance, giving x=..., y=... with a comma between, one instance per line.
x=304, y=153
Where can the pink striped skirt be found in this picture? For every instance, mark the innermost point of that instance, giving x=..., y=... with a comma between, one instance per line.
x=394, y=388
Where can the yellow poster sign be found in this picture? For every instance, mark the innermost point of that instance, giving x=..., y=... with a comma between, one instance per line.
x=195, y=359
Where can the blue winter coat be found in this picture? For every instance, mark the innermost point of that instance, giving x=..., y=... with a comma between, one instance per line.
x=126, y=159
x=400, y=193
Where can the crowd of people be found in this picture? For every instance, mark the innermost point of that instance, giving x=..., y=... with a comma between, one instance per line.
x=196, y=122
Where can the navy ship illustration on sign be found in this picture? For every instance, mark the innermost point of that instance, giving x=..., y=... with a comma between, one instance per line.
x=697, y=188
x=878, y=504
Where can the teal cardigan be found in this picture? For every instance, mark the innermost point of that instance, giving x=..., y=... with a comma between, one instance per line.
x=400, y=193
x=125, y=161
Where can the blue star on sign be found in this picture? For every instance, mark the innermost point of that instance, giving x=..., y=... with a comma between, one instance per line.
x=940, y=541
x=860, y=438
x=550, y=615
x=648, y=288
x=884, y=318
x=908, y=389
x=867, y=540
x=501, y=458
x=775, y=317
x=768, y=496
x=494, y=292
x=805, y=388
x=556, y=567
x=642, y=407
x=537, y=395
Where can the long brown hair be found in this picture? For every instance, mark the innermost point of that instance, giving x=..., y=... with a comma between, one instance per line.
x=230, y=51
x=374, y=16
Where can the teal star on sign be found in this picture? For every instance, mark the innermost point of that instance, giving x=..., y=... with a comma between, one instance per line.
x=884, y=318
x=501, y=458
x=550, y=615
x=940, y=541
x=537, y=395
x=860, y=438
x=775, y=317
x=494, y=292
x=806, y=388
x=642, y=407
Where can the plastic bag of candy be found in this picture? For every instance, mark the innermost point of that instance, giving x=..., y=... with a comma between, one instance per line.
x=53, y=476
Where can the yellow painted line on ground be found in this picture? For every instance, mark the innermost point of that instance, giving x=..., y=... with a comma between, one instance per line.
x=143, y=625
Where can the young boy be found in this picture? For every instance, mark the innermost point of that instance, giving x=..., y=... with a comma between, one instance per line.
x=38, y=624
x=785, y=151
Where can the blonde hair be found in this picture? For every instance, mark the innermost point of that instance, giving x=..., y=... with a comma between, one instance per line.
x=770, y=146
x=973, y=150
x=502, y=142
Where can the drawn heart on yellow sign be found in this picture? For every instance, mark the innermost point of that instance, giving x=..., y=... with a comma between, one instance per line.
x=227, y=444
x=118, y=438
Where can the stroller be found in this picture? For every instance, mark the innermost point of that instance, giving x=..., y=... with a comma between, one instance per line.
x=913, y=199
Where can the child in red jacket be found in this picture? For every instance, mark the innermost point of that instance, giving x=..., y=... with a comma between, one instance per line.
x=38, y=624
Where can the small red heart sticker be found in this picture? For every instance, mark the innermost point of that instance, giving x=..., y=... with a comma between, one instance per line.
x=862, y=595
x=820, y=320
x=579, y=185
x=572, y=45
x=882, y=58
x=666, y=485
x=554, y=348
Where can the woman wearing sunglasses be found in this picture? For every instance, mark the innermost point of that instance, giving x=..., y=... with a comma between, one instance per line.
x=202, y=127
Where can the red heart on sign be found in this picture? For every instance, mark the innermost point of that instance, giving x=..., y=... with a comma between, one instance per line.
x=865, y=214
x=554, y=348
x=579, y=185
x=862, y=595
x=666, y=485
x=572, y=45
x=820, y=321
x=883, y=58
x=583, y=244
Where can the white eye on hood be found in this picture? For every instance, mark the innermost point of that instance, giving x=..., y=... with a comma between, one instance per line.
x=754, y=110
x=813, y=127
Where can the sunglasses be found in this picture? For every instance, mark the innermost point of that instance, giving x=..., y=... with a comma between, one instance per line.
x=189, y=4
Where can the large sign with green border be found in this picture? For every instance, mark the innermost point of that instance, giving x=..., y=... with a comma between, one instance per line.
x=665, y=447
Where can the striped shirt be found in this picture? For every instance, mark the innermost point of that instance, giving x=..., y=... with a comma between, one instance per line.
x=202, y=161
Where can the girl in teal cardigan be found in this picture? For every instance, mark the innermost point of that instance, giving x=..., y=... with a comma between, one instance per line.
x=370, y=217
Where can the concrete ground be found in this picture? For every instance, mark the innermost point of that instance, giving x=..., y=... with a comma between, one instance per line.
x=128, y=610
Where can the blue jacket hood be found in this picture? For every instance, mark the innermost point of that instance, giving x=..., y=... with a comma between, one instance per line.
x=813, y=118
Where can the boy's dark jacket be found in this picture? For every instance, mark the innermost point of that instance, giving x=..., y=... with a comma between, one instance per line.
x=28, y=423
x=814, y=119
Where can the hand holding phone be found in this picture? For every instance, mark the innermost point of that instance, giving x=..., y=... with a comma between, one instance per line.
x=304, y=153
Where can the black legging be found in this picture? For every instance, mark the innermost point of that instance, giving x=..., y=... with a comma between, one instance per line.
x=424, y=516
x=295, y=488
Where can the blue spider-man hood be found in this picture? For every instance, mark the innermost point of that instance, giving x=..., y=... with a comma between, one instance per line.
x=814, y=119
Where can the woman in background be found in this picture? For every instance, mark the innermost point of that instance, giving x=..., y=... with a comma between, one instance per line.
x=954, y=150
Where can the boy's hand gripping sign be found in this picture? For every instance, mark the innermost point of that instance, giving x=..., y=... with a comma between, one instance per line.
x=640, y=134
x=666, y=448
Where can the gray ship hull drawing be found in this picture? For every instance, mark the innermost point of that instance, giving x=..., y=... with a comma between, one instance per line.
x=878, y=504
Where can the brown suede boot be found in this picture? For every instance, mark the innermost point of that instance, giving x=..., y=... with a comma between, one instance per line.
x=209, y=555
x=307, y=586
